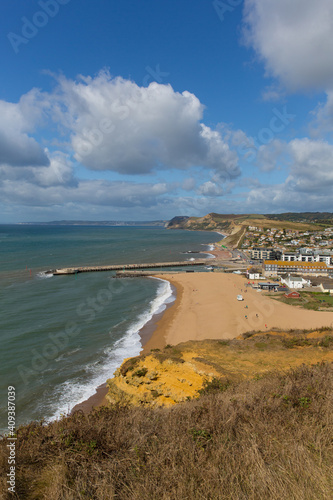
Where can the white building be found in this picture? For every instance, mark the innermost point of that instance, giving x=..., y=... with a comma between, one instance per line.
x=323, y=258
x=295, y=282
x=306, y=257
x=253, y=276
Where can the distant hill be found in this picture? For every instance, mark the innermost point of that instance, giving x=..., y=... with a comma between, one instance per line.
x=318, y=217
x=161, y=223
x=231, y=223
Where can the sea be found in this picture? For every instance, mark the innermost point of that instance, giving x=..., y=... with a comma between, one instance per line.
x=64, y=336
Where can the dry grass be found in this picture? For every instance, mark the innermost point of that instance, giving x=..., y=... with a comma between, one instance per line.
x=234, y=240
x=264, y=439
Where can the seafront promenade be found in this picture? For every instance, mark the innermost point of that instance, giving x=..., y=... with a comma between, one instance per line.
x=124, y=267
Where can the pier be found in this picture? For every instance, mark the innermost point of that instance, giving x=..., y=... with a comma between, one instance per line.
x=125, y=267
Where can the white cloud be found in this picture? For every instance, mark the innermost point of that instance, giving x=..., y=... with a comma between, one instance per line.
x=109, y=124
x=59, y=171
x=210, y=188
x=323, y=121
x=56, y=185
x=294, y=39
x=269, y=156
x=312, y=166
x=117, y=125
x=308, y=186
x=17, y=121
x=272, y=93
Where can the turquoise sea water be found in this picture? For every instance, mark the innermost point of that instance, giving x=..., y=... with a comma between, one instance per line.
x=63, y=336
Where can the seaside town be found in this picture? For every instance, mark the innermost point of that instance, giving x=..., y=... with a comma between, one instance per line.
x=166, y=250
x=297, y=259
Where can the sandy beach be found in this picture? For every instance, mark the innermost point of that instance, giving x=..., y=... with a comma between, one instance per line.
x=206, y=307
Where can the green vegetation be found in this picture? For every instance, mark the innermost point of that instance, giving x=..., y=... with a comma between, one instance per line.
x=325, y=218
x=314, y=301
x=296, y=342
x=269, y=438
x=326, y=342
x=129, y=365
x=215, y=385
x=140, y=373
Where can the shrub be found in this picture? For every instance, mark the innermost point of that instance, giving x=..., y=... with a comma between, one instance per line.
x=326, y=342
x=214, y=385
x=140, y=373
x=295, y=342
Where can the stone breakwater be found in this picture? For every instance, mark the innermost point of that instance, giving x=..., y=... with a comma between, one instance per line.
x=119, y=267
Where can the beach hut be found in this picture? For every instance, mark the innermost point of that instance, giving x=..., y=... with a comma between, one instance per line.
x=292, y=295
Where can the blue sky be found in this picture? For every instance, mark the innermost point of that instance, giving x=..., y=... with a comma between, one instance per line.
x=147, y=110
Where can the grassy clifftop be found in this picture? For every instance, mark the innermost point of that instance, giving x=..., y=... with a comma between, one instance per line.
x=176, y=374
x=268, y=438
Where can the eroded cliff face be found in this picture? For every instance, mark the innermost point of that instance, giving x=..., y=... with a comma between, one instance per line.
x=170, y=376
x=209, y=222
x=160, y=379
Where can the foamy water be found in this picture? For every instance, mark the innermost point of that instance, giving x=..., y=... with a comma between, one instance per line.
x=72, y=393
x=52, y=378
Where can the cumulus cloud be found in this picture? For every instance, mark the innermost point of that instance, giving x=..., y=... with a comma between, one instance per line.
x=323, y=121
x=309, y=183
x=269, y=156
x=56, y=184
x=58, y=172
x=293, y=39
x=90, y=193
x=311, y=169
x=210, y=188
x=111, y=125
x=17, y=122
x=116, y=125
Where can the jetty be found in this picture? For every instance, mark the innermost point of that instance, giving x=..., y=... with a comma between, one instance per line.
x=126, y=267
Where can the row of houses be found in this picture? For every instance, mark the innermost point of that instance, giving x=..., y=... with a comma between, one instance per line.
x=300, y=256
x=278, y=267
x=306, y=257
x=288, y=281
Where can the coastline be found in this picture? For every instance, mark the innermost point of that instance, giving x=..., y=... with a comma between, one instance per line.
x=206, y=307
x=149, y=340
x=151, y=334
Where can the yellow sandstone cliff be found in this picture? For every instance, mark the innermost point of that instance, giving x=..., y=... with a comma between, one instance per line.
x=170, y=376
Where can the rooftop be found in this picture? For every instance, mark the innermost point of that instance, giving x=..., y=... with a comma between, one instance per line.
x=283, y=263
x=326, y=282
